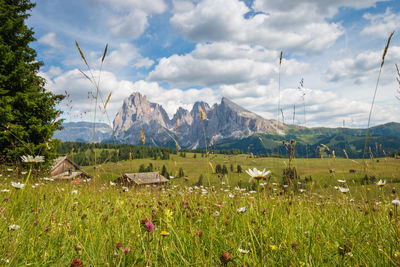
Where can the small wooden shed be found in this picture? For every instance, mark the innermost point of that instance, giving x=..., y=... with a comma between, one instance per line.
x=64, y=168
x=142, y=179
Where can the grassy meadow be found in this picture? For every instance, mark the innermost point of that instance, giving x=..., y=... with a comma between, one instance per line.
x=221, y=220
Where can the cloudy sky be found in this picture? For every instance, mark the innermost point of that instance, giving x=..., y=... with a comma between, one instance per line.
x=177, y=52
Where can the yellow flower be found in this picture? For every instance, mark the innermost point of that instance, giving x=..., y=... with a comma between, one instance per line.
x=164, y=233
x=273, y=247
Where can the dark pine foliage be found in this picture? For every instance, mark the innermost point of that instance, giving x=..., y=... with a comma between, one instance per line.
x=27, y=110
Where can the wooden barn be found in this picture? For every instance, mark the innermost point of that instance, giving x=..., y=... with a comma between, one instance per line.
x=64, y=168
x=141, y=179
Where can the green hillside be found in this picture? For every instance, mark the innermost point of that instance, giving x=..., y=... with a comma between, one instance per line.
x=384, y=139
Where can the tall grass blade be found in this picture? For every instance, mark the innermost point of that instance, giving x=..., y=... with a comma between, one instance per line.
x=376, y=89
x=104, y=54
x=80, y=52
x=108, y=99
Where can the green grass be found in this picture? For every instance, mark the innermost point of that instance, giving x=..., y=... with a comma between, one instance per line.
x=320, y=227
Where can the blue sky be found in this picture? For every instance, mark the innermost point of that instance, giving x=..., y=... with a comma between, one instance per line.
x=177, y=52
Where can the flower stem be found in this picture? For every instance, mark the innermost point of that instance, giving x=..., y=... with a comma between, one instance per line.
x=27, y=177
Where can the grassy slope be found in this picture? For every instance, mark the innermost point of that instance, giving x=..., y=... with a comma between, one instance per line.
x=319, y=227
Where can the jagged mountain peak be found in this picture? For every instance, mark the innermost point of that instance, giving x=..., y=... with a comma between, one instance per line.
x=224, y=120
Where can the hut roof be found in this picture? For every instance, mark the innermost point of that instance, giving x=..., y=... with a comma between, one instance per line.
x=66, y=174
x=60, y=159
x=145, y=178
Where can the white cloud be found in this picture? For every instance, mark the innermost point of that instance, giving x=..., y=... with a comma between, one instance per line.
x=363, y=67
x=129, y=26
x=50, y=40
x=128, y=18
x=222, y=63
x=153, y=6
x=301, y=28
x=326, y=8
x=126, y=55
x=381, y=24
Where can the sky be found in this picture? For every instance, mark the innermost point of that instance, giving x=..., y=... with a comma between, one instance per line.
x=177, y=52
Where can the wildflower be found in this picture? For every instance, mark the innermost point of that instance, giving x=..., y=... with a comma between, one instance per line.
x=216, y=213
x=273, y=247
x=200, y=233
x=302, y=190
x=23, y=173
x=74, y=192
x=342, y=181
x=231, y=195
x=282, y=192
x=225, y=257
x=149, y=226
x=31, y=159
x=164, y=233
x=5, y=190
x=111, y=183
x=78, y=249
x=14, y=227
x=264, y=211
x=243, y=251
x=381, y=183
x=125, y=189
x=10, y=170
x=126, y=250
x=256, y=174
x=396, y=202
x=118, y=245
x=241, y=210
x=17, y=185
x=343, y=189
x=47, y=179
x=76, y=263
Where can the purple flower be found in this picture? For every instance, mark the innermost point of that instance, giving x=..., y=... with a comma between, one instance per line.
x=149, y=226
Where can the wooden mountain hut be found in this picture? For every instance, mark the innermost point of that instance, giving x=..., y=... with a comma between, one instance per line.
x=64, y=168
x=141, y=179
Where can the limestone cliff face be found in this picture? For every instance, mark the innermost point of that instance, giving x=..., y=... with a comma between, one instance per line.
x=136, y=113
x=224, y=120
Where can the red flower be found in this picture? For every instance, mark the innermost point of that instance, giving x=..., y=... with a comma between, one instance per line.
x=77, y=263
x=225, y=257
x=126, y=250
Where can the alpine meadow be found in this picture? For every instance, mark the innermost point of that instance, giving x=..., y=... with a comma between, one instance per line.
x=199, y=133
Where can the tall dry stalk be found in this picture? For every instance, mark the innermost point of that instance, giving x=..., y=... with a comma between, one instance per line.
x=398, y=81
x=373, y=99
x=204, y=128
x=279, y=96
x=96, y=83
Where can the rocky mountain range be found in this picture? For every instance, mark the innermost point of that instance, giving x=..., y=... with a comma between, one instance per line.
x=227, y=125
x=83, y=132
x=223, y=120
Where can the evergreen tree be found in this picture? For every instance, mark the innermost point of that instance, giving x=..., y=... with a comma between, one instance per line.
x=239, y=169
x=27, y=110
x=181, y=173
x=218, y=168
x=164, y=171
x=224, y=169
